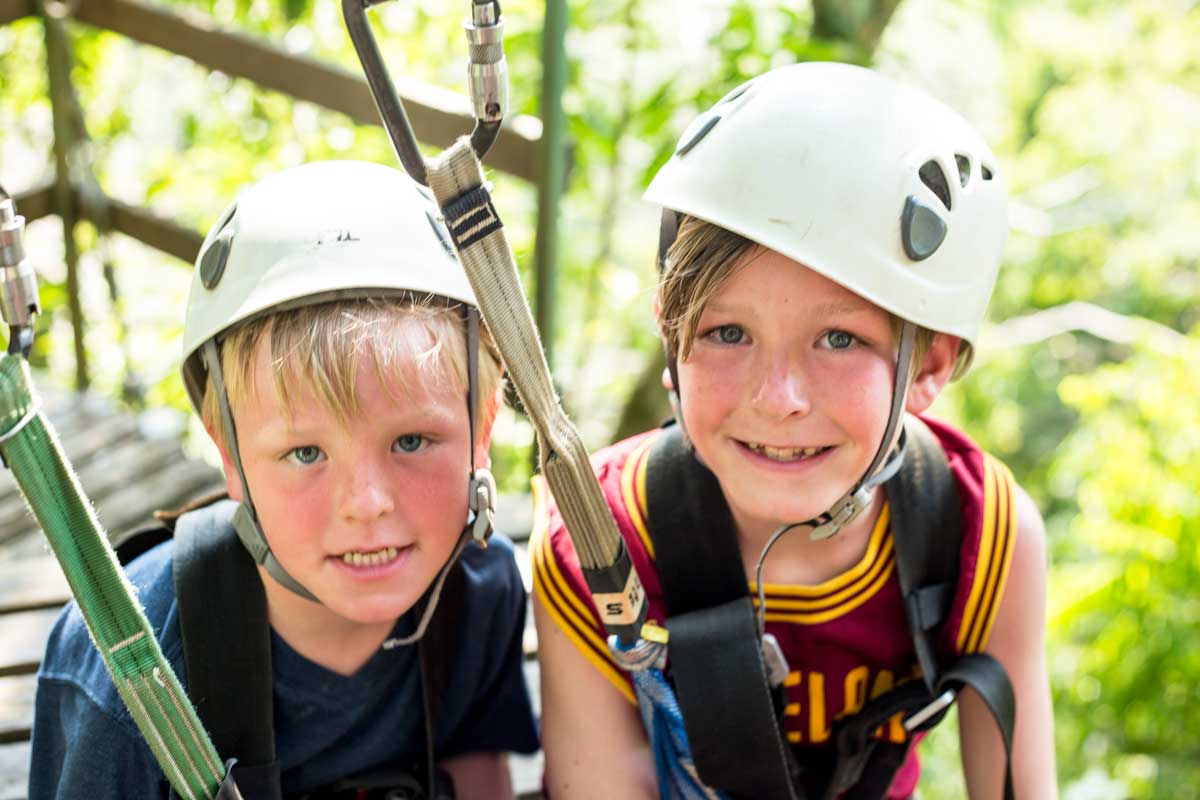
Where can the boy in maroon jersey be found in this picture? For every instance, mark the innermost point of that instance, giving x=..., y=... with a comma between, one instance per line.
x=837, y=238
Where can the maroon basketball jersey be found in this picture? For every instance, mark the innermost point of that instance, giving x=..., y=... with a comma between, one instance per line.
x=847, y=639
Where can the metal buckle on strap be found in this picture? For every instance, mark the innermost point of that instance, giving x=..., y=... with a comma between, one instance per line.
x=843, y=511
x=482, y=500
x=936, y=706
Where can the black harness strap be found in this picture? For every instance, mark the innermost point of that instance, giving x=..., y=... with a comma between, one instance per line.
x=716, y=656
x=227, y=644
x=927, y=534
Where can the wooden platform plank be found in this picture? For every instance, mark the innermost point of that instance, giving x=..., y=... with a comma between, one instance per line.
x=24, y=635
x=32, y=583
x=14, y=771
x=16, y=707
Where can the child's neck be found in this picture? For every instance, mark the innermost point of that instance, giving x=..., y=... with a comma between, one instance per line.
x=797, y=560
x=321, y=636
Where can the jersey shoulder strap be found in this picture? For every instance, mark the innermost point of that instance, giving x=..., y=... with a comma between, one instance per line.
x=227, y=644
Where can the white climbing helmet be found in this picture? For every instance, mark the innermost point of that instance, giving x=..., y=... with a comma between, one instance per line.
x=874, y=185
x=322, y=231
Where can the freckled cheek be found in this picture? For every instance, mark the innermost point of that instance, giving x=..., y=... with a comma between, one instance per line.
x=711, y=388
x=436, y=498
x=859, y=396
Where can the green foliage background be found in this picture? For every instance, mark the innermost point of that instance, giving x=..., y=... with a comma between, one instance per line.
x=1086, y=382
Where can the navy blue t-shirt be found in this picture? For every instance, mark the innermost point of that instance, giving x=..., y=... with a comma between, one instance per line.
x=327, y=726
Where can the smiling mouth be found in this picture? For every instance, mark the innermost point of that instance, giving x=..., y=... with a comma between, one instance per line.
x=372, y=558
x=785, y=454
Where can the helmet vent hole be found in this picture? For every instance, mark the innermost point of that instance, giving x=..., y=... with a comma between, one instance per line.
x=691, y=141
x=934, y=177
x=964, y=169
x=735, y=94
x=987, y=171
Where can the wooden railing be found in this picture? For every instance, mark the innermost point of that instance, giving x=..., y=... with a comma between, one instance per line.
x=437, y=117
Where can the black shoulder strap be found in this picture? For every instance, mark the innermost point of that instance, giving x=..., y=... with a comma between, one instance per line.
x=716, y=653
x=227, y=645
x=927, y=534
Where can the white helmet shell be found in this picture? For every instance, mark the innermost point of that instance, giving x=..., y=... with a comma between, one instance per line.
x=823, y=163
x=318, y=232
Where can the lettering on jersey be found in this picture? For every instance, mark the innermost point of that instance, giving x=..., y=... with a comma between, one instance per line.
x=813, y=707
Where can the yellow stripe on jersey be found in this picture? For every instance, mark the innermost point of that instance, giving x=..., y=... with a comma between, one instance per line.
x=995, y=555
x=633, y=490
x=817, y=617
x=1007, y=522
x=865, y=572
x=564, y=606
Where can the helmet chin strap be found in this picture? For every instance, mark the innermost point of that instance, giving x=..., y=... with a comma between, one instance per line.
x=481, y=490
x=245, y=520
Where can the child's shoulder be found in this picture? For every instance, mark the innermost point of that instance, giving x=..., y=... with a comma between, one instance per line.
x=72, y=660
x=493, y=579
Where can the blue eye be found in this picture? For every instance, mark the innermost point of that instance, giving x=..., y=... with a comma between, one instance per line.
x=839, y=340
x=308, y=454
x=410, y=442
x=730, y=334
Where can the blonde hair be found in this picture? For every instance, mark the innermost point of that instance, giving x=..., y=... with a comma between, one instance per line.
x=701, y=259
x=322, y=347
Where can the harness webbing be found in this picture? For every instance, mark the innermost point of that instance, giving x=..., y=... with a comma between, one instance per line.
x=456, y=178
x=118, y=627
x=716, y=657
x=227, y=644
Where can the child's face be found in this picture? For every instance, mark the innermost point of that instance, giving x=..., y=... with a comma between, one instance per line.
x=787, y=389
x=362, y=514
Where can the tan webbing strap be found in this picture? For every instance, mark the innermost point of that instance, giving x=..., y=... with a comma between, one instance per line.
x=456, y=179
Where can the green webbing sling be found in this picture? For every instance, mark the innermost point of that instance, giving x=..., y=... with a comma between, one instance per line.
x=118, y=626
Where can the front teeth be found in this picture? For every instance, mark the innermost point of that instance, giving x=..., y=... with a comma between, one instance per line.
x=784, y=453
x=374, y=558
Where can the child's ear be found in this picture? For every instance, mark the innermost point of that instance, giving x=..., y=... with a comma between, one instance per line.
x=933, y=372
x=233, y=484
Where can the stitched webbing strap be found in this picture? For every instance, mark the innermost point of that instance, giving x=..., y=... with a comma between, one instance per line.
x=118, y=627
x=227, y=644
x=456, y=179
x=716, y=653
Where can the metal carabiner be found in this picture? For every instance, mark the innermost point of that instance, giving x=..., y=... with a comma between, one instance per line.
x=18, y=281
x=487, y=74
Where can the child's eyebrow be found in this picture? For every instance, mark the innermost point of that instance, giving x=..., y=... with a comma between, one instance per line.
x=833, y=308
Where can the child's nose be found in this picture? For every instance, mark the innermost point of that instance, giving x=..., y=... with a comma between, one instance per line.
x=367, y=495
x=781, y=389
